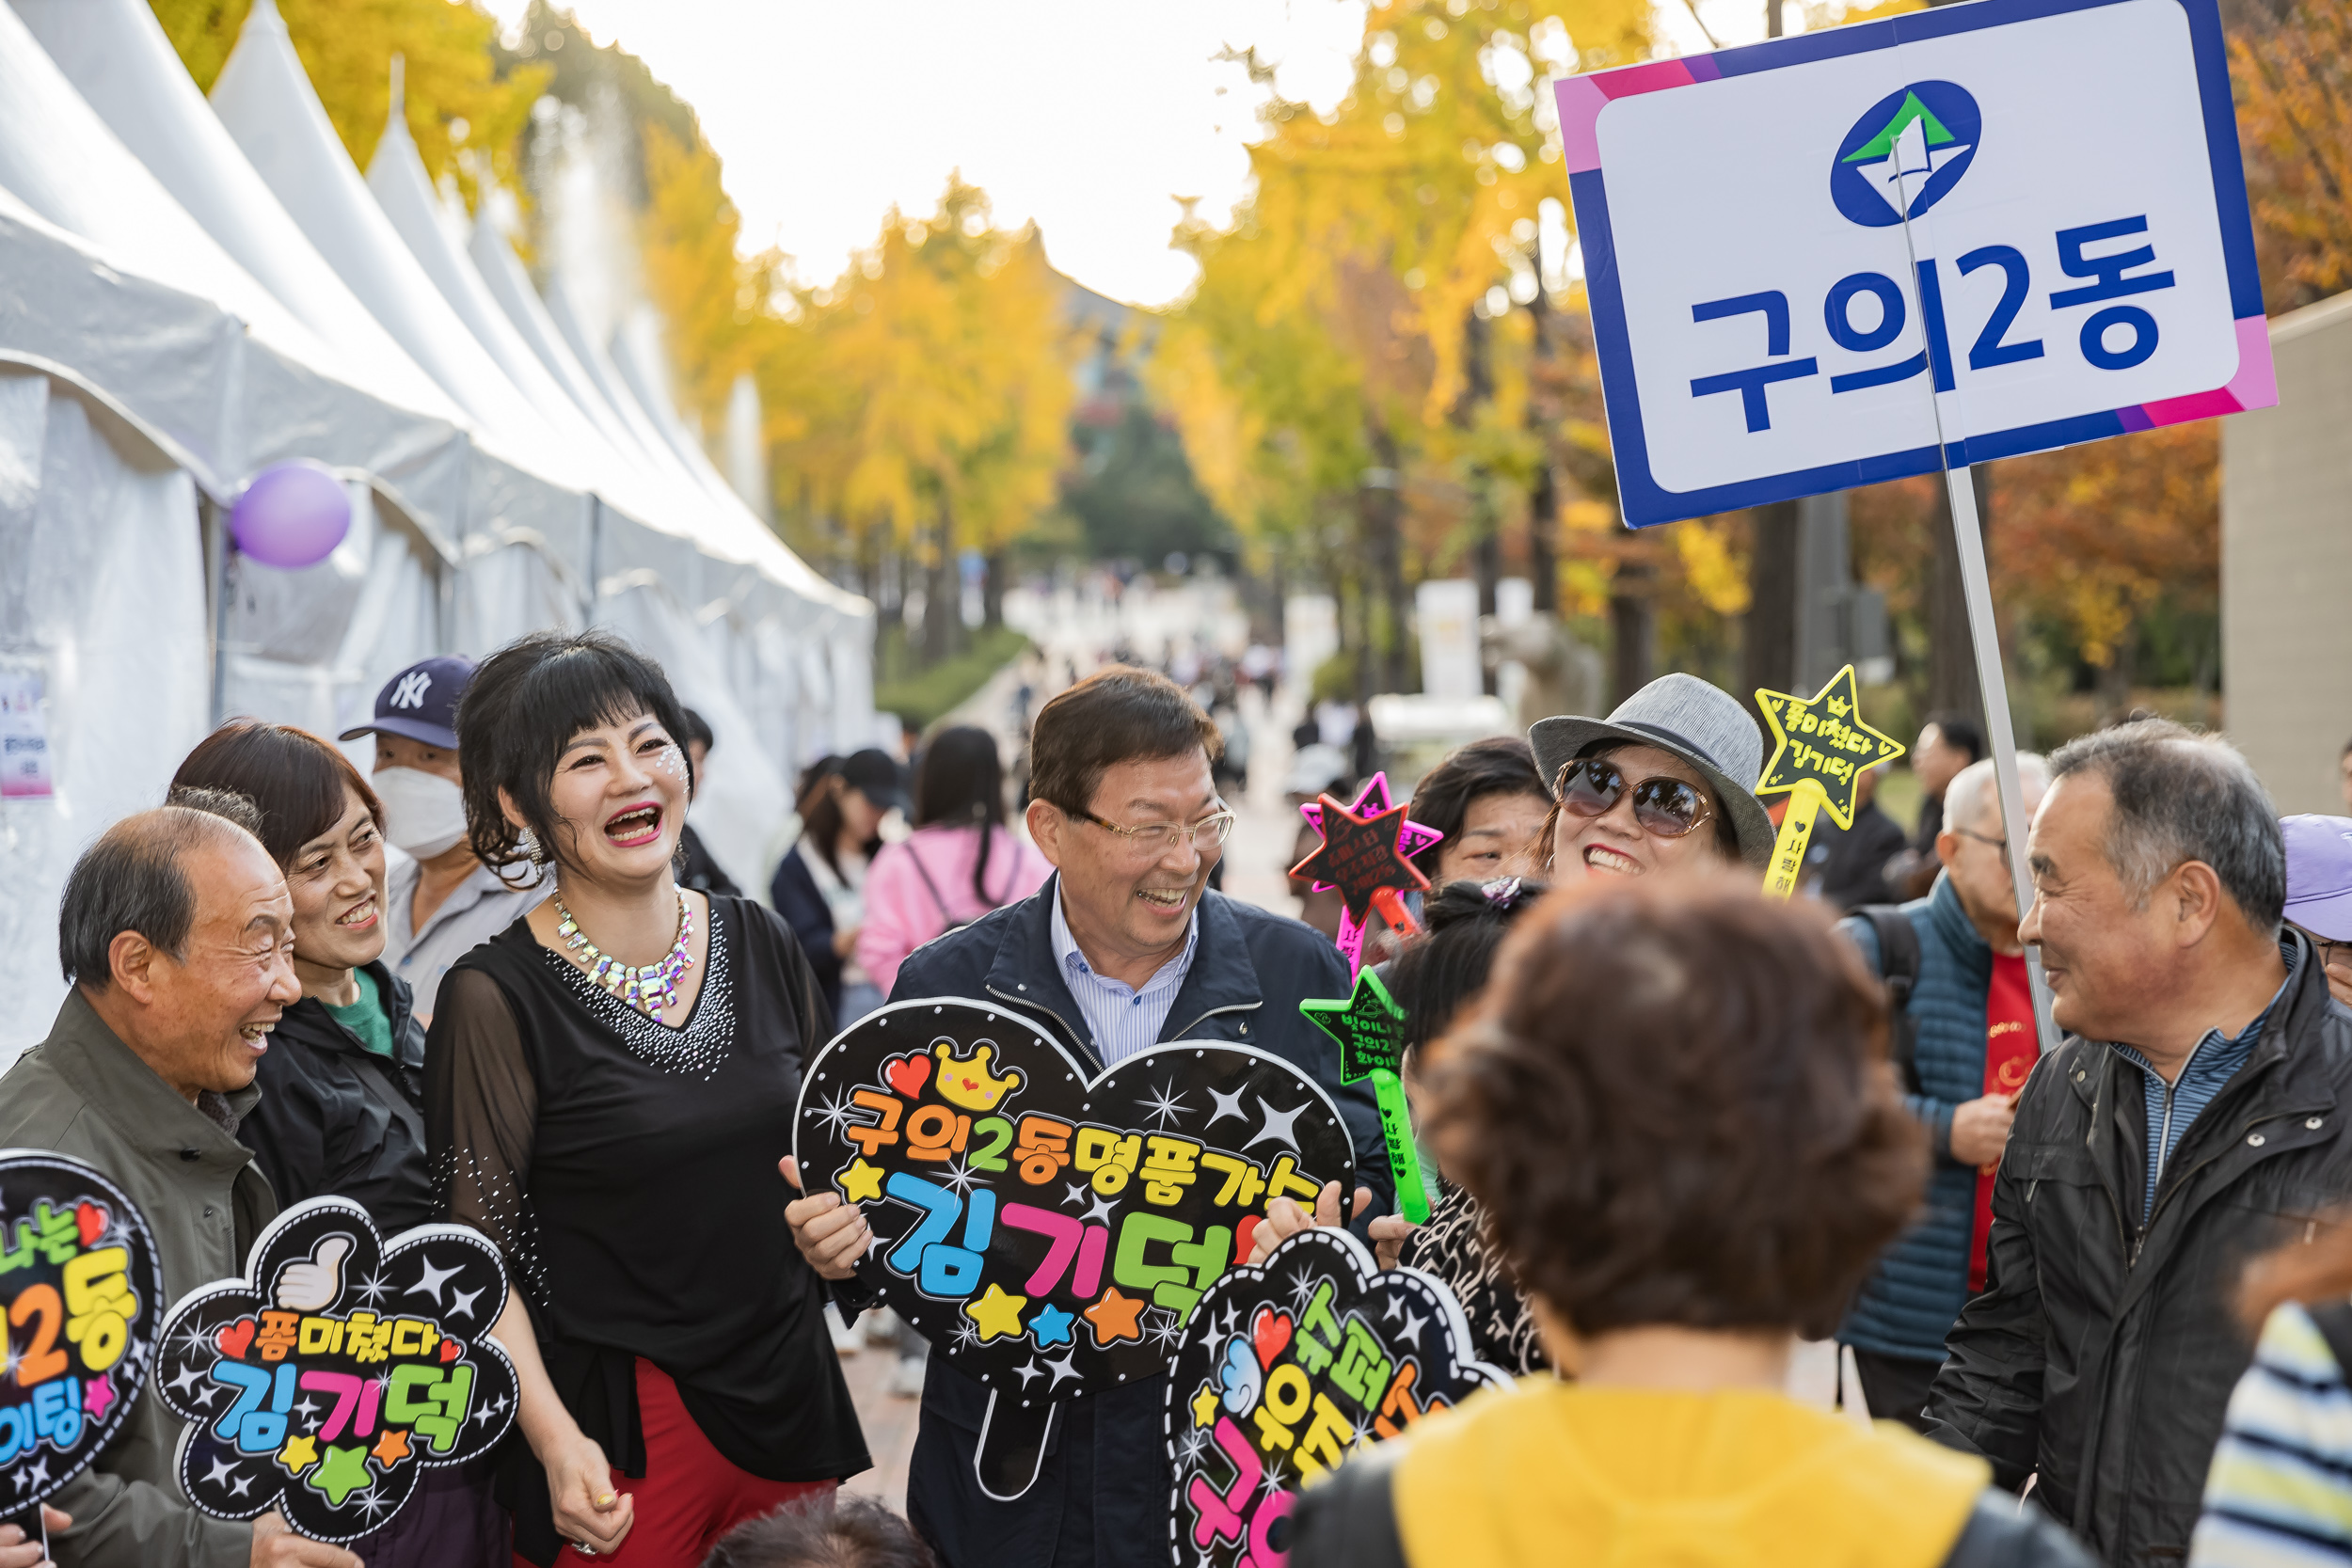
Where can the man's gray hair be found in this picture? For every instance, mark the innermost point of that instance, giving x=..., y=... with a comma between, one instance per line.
x=1970, y=798
x=134, y=879
x=2182, y=795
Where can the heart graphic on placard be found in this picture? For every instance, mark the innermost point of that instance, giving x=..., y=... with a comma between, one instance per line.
x=907, y=1075
x=90, y=1220
x=1254, y=1414
x=343, y=1380
x=1047, y=1232
x=1269, y=1333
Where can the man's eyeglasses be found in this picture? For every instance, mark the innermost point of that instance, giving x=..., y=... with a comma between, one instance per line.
x=2000, y=844
x=1154, y=839
x=1664, y=805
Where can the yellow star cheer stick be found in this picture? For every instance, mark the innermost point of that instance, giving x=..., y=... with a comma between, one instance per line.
x=1821, y=749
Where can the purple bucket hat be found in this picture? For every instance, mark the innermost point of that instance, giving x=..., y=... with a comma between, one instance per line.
x=2319, y=874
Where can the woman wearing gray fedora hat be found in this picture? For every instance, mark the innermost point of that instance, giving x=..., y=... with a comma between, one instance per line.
x=1666, y=780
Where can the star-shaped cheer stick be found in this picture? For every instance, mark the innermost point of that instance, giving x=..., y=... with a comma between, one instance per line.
x=1821, y=749
x=1364, y=857
x=1368, y=1024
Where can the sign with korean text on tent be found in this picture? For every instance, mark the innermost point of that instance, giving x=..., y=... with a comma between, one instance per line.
x=1913, y=244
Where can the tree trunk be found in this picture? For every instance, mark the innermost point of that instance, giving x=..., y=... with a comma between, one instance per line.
x=1384, y=548
x=992, y=589
x=1951, y=656
x=943, y=607
x=1633, y=621
x=1543, y=497
x=1768, y=655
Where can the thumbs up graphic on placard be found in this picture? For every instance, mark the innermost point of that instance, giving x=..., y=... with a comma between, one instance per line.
x=306, y=1286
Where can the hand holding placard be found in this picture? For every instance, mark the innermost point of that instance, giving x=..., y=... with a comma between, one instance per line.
x=1821, y=749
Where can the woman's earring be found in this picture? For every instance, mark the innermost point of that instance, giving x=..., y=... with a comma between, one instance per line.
x=527, y=843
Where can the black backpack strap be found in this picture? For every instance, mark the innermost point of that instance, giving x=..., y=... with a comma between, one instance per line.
x=2333, y=1319
x=1898, y=961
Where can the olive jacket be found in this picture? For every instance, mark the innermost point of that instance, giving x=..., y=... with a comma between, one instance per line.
x=84, y=1093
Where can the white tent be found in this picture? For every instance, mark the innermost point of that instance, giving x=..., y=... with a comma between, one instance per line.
x=171, y=321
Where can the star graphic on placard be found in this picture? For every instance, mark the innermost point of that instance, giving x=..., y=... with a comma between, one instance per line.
x=240, y=1485
x=1230, y=1323
x=461, y=1303
x=36, y=1477
x=298, y=1454
x=1164, y=1106
x=1204, y=1406
x=1302, y=1290
x=308, y=1410
x=374, y=1505
x=193, y=1341
x=430, y=1280
x=220, y=1471
x=1358, y=856
x=1052, y=1326
x=1414, y=1323
x=98, y=1395
x=1227, y=1105
x=1372, y=800
x=202, y=1399
x=1192, y=1445
x=1822, y=740
x=1367, y=1023
x=373, y=1289
x=1280, y=1124
x=964, y=1336
x=1062, y=1369
x=958, y=1178
x=1395, y=1309
x=342, y=1472
x=859, y=1181
x=1114, y=1317
x=1029, y=1372
x=1275, y=1477
x=1074, y=1192
x=189, y=1377
x=1101, y=1211
x=391, y=1448
x=836, y=1112
x=1167, y=1330
x=994, y=1314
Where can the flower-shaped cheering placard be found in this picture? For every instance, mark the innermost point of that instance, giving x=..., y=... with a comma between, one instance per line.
x=325, y=1382
x=1285, y=1370
x=1048, y=1232
x=1366, y=855
x=1820, y=750
x=84, y=1290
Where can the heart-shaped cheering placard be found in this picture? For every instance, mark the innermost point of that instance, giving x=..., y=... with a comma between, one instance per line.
x=1288, y=1367
x=1048, y=1232
x=325, y=1381
x=84, y=1290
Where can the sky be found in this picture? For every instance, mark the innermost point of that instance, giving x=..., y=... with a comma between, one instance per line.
x=1088, y=116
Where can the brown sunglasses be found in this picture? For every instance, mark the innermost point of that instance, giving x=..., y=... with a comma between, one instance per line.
x=1664, y=805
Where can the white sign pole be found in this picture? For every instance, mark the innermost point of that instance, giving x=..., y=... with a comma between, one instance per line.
x=1984, y=637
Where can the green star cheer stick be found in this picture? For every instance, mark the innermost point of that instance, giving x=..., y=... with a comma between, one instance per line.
x=1367, y=1025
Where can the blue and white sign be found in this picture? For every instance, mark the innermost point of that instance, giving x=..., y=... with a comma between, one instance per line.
x=1884, y=249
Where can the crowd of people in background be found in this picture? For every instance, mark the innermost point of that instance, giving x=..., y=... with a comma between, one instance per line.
x=1671, y=1127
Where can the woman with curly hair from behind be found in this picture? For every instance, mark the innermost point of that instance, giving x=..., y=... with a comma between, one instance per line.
x=1675, y=1109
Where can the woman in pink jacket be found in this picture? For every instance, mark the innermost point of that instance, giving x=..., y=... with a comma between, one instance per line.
x=960, y=863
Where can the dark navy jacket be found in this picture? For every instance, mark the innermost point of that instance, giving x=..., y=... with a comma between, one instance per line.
x=1102, y=1495
x=1908, y=1304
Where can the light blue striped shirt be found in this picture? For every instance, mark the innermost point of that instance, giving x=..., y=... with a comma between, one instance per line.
x=2211, y=1063
x=1121, y=1019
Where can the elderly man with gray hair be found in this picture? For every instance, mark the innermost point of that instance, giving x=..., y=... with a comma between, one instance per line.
x=176, y=932
x=2193, y=1117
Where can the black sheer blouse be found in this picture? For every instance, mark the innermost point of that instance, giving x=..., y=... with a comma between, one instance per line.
x=628, y=1172
x=1453, y=1246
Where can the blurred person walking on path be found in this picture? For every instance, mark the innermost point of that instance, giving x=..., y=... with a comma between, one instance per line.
x=820, y=885
x=2193, y=1117
x=1674, y=1109
x=1947, y=742
x=440, y=901
x=960, y=863
x=1964, y=1040
x=696, y=867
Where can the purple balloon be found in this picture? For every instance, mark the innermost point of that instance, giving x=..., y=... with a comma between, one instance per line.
x=292, y=516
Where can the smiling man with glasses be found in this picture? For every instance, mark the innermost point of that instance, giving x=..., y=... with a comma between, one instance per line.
x=1125, y=949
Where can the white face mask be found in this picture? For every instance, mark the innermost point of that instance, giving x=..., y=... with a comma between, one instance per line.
x=423, y=813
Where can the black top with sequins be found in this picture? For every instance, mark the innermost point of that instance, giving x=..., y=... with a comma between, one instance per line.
x=1453, y=1246
x=628, y=1172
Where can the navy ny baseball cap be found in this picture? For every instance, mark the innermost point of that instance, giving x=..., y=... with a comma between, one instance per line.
x=420, y=702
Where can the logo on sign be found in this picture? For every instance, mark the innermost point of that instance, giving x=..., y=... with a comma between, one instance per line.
x=1911, y=146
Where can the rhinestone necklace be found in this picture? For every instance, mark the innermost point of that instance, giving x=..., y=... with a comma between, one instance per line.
x=650, y=990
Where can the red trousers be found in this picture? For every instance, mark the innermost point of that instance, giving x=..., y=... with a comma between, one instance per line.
x=691, y=1495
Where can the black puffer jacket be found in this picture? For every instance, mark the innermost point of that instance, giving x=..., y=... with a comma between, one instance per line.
x=335, y=1117
x=2103, y=1352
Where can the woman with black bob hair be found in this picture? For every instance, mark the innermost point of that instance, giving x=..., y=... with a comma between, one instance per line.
x=609, y=1087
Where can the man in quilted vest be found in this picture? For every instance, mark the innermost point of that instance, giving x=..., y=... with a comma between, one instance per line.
x=1969, y=1058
